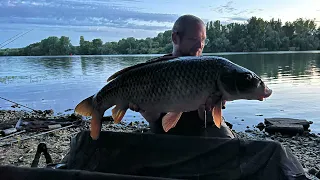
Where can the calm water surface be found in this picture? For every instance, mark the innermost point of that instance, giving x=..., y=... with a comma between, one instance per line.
x=60, y=83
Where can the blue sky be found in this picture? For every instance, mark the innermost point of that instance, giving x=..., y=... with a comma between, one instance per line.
x=112, y=20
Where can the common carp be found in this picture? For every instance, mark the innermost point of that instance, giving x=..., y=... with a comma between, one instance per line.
x=173, y=86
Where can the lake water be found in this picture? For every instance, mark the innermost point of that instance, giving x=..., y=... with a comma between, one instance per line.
x=60, y=83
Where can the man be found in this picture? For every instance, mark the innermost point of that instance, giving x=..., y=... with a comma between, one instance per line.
x=251, y=159
x=188, y=39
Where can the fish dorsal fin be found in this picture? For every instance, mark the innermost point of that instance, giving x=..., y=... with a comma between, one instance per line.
x=151, y=61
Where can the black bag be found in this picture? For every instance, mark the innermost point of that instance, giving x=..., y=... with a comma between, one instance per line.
x=120, y=155
x=182, y=157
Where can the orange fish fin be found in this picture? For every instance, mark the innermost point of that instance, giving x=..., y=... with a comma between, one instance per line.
x=85, y=107
x=118, y=73
x=118, y=113
x=95, y=124
x=217, y=114
x=170, y=120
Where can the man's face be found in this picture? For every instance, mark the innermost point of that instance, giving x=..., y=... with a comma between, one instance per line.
x=192, y=41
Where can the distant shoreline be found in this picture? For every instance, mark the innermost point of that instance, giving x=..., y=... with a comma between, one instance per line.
x=160, y=54
x=254, y=36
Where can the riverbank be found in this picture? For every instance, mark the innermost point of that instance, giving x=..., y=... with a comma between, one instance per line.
x=22, y=152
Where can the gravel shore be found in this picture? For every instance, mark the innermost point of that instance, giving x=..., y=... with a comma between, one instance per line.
x=22, y=152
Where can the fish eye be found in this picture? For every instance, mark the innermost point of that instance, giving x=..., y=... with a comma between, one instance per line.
x=249, y=77
x=246, y=81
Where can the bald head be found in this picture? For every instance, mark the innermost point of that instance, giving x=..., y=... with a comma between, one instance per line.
x=188, y=36
x=185, y=22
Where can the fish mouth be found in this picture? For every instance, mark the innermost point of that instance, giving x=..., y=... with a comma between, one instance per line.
x=267, y=93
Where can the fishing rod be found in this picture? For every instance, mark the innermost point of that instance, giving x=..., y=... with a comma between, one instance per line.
x=15, y=39
x=10, y=38
x=38, y=111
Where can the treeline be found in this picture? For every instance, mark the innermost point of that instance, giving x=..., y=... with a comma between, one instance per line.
x=255, y=35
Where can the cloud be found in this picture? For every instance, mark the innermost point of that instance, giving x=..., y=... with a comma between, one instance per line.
x=237, y=18
x=107, y=13
x=229, y=8
x=109, y=20
x=233, y=19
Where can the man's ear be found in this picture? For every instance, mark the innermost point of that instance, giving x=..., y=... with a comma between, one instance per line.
x=175, y=37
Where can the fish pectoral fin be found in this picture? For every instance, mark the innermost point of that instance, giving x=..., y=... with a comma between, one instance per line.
x=118, y=113
x=217, y=114
x=170, y=120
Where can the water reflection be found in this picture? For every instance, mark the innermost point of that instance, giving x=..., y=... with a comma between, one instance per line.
x=51, y=65
x=287, y=66
x=108, y=64
x=275, y=65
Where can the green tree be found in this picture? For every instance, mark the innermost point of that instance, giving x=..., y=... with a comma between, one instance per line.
x=254, y=35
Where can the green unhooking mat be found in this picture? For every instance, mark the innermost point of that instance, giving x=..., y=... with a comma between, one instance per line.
x=152, y=156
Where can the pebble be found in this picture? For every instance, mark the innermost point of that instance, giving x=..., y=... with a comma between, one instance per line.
x=261, y=126
x=312, y=171
x=20, y=159
x=130, y=124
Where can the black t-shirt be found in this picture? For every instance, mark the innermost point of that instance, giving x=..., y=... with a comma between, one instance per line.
x=190, y=124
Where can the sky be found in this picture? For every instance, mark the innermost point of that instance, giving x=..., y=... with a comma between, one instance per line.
x=112, y=20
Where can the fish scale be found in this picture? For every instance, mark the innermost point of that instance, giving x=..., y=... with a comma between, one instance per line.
x=164, y=82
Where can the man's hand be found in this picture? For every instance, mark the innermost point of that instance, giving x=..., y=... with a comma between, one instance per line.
x=202, y=109
x=148, y=116
x=134, y=107
x=208, y=107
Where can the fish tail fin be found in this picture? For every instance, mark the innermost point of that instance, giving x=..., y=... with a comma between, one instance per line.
x=85, y=107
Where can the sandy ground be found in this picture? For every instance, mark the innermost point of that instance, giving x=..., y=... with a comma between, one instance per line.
x=22, y=152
